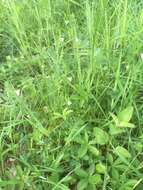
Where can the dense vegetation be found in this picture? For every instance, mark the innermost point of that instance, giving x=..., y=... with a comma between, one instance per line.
x=71, y=93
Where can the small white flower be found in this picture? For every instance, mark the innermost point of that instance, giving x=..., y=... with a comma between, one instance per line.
x=17, y=92
x=76, y=40
x=127, y=67
x=61, y=39
x=142, y=56
x=69, y=79
x=69, y=103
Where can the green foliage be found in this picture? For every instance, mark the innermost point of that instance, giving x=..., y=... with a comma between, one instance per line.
x=101, y=137
x=120, y=151
x=71, y=78
x=126, y=114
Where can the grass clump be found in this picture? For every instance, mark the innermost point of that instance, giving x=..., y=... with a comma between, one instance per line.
x=71, y=95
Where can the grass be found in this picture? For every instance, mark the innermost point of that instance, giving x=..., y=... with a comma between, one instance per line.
x=71, y=75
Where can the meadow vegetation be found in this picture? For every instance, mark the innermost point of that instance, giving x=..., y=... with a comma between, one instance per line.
x=71, y=94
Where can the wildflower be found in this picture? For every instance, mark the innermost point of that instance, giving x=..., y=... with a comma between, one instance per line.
x=127, y=67
x=69, y=79
x=18, y=92
x=76, y=40
x=61, y=39
x=69, y=103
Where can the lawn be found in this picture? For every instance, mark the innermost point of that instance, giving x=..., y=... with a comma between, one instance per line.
x=71, y=95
